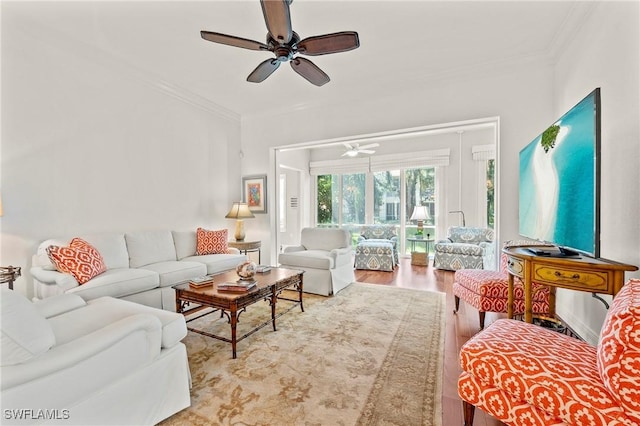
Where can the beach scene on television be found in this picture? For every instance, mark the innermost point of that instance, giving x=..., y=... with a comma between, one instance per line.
x=557, y=181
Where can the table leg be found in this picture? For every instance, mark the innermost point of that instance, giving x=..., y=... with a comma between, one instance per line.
x=234, y=324
x=528, y=305
x=510, y=296
x=300, y=292
x=274, y=298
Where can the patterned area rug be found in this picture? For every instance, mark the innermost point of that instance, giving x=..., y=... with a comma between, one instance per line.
x=370, y=355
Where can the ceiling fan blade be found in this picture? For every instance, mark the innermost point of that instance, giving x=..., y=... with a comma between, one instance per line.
x=329, y=43
x=371, y=145
x=366, y=151
x=233, y=41
x=309, y=71
x=347, y=145
x=264, y=70
x=278, y=19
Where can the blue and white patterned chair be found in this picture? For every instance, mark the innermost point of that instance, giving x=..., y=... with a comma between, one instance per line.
x=377, y=248
x=465, y=248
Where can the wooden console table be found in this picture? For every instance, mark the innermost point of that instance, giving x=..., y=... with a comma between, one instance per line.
x=575, y=273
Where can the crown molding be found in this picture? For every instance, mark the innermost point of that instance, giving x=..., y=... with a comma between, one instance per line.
x=577, y=16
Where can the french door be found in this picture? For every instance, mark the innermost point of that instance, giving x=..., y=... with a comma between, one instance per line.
x=383, y=197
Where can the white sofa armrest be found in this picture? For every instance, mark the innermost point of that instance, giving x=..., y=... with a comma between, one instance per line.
x=233, y=250
x=110, y=352
x=57, y=305
x=340, y=251
x=291, y=249
x=45, y=276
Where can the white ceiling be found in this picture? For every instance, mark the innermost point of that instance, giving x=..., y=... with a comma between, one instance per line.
x=403, y=44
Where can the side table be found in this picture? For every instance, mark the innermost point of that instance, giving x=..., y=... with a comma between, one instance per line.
x=420, y=259
x=8, y=274
x=246, y=247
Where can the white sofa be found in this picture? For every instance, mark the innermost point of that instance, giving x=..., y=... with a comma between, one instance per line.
x=141, y=267
x=326, y=256
x=105, y=361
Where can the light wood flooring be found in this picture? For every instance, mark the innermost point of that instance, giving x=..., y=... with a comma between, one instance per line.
x=459, y=328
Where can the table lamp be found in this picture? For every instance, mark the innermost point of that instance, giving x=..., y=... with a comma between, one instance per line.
x=239, y=211
x=420, y=214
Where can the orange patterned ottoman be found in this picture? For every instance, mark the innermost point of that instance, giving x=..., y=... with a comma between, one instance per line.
x=523, y=374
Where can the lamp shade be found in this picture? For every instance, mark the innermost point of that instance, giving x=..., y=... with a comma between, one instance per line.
x=419, y=213
x=239, y=210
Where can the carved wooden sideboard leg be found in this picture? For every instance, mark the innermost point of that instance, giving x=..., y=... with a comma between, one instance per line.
x=481, y=316
x=457, y=301
x=468, y=410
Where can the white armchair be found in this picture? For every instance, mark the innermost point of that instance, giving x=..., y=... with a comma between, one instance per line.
x=325, y=254
x=106, y=361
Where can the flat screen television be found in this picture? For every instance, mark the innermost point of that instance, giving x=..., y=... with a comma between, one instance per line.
x=559, y=185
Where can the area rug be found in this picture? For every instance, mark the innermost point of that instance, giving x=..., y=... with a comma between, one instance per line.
x=370, y=355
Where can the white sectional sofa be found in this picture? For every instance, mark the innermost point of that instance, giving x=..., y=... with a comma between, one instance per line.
x=102, y=362
x=141, y=267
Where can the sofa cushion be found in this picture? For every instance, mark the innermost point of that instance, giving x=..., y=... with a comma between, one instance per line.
x=172, y=272
x=211, y=242
x=25, y=333
x=470, y=235
x=185, y=242
x=112, y=247
x=117, y=283
x=150, y=247
x=619, y=349
x=107, y=310
x=325, y=238
x=318, y=259
x=459, y=248
x=79, y=259
x=217, y=262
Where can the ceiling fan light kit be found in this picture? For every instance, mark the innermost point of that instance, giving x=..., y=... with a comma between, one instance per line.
x=286, y=44
x=353, y=150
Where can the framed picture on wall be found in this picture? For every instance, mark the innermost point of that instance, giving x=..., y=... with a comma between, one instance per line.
x=254, y=193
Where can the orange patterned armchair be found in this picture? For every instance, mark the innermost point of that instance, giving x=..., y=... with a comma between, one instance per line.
x=522, y=374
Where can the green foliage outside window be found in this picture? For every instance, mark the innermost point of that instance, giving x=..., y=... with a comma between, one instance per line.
x=491, y=173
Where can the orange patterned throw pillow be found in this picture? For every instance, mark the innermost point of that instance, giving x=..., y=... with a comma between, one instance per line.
x=211, y=242
x=80, y=259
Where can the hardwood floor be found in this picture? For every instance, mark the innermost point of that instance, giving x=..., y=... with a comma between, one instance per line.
x=460, y=327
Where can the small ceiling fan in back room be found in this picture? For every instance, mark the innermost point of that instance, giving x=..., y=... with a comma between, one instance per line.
x=286, y=44
x=354, y=149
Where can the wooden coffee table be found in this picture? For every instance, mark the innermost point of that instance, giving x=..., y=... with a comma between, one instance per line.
x=269, y=288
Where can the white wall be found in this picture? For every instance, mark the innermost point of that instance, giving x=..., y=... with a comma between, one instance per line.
x=606, y=54
x=520, y=95
x=88, y=146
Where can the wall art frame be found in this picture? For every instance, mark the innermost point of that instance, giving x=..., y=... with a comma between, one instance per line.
x=254, y=193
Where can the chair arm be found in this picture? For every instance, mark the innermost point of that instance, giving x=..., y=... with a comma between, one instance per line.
x=445, y=241
x=340, y=252
x=133, y=341
x=45, y=276
x=291, y=249
x=56, y=305
x=487, y=246
x=361, y=238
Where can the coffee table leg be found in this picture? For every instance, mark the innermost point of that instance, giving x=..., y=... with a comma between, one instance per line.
x=300, y=291
x=274, y=298
x=234, y=323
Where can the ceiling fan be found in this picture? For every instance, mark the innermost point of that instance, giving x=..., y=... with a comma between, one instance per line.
x=354, y=149
x=285, y=44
